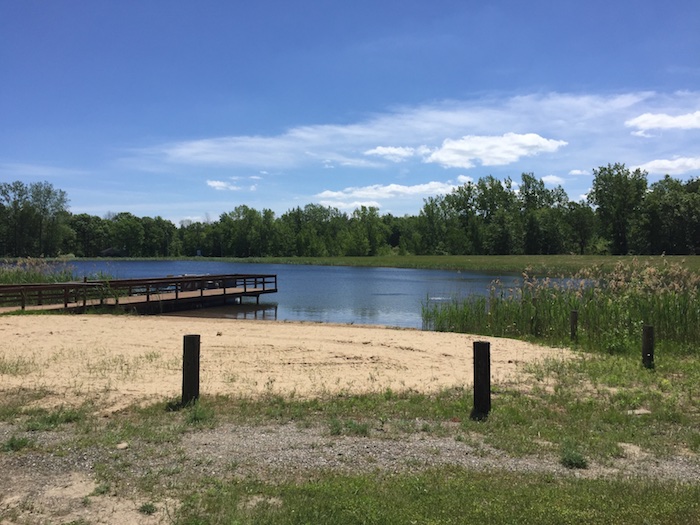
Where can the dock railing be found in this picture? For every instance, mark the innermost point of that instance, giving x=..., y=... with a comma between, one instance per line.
x=92, y=292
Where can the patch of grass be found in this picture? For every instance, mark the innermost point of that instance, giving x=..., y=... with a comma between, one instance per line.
x=445, y=495
x=546, y=265
x=200, y=414
x=148, y=509
x=101, y=490
x=15, y=444
x=42, y=419
x=572, y=458
x=16, y=366
x=348, y=428
x=13, y=402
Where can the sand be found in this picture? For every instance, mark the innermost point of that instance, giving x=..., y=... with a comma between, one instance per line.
x=120, y=360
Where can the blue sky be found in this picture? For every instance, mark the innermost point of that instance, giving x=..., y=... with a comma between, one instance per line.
x=188, y=109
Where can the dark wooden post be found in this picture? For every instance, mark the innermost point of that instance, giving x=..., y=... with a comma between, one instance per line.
x=574, y=324
x=482, y=380
x=190, y=369
x=648, y=346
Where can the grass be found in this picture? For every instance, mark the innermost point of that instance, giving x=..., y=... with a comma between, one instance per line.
x=15, y=444
x=541, y=265
x=42, y=419
x=443, y=496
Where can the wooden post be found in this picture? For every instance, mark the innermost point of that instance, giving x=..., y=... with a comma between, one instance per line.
x=574, y=324
x=648, y=346
x=190, y=369
x=482, y=380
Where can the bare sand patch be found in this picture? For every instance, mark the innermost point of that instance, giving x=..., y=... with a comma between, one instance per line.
x=120, y=360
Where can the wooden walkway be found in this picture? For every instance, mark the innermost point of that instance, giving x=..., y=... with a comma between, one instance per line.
x=154, y=295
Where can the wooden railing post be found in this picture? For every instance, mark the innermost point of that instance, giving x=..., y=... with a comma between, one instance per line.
x=482, y=380
x=190, y=369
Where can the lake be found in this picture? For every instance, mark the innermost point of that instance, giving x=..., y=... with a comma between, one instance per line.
x=332, y=294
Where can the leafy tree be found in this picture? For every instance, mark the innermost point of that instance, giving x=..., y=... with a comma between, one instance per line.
x=432, y=227
x=670, y=218
x=33, y=218
x=463, y=223
x=617, y=194
x=126, y=234
x=90, y=235
x=581, y=222
x=497, y=205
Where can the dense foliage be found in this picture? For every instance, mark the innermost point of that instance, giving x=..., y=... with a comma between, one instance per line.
x=623, y=215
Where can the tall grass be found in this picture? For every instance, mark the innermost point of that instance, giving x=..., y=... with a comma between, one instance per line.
x=612, y=308
x=25, y=271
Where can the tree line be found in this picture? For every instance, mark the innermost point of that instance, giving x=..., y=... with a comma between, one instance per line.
x=622, y=214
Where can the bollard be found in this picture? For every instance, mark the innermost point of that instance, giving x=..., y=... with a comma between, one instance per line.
x=574, y=324
x=190, y=369
x=482, y=380
x=648, y=346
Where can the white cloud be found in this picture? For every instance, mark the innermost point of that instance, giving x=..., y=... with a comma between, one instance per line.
x=579, y=172
x=220, y=185
x=677, y=166
x=380, y=191
x=394, y=154
x=350, y=206
x=492, y=150
x=649, y=121
x=552, y=180
x=463, y=179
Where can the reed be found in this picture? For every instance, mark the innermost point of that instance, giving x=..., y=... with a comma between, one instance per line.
x=28, y=270
x=612, y=308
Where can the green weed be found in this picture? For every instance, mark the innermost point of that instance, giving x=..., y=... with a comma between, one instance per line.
x=15, y=444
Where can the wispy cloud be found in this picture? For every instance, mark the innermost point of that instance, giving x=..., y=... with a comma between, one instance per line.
x=373, y=195
x=579, y=172
x=221, y=185
x=649, y=121
x=553, y=180
x=677, y=166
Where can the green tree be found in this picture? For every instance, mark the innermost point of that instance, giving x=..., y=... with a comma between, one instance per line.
x=670, y=218
x=497, y=205
x=33, y=219
x=581, y=221
x=126, y=234
x=368, y=234
x=51, y=212
x=91, y=235
x=618, y=194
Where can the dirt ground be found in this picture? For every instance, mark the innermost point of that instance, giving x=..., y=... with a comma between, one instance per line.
x=121, y=360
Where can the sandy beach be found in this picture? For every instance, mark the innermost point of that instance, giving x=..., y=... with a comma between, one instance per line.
x=120, y=360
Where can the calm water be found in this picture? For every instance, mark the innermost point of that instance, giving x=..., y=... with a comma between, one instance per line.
x=337, y=294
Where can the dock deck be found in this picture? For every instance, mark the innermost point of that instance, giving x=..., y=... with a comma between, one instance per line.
x=152, y=295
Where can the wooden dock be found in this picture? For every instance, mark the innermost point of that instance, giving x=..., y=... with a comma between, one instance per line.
x=154, y=295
